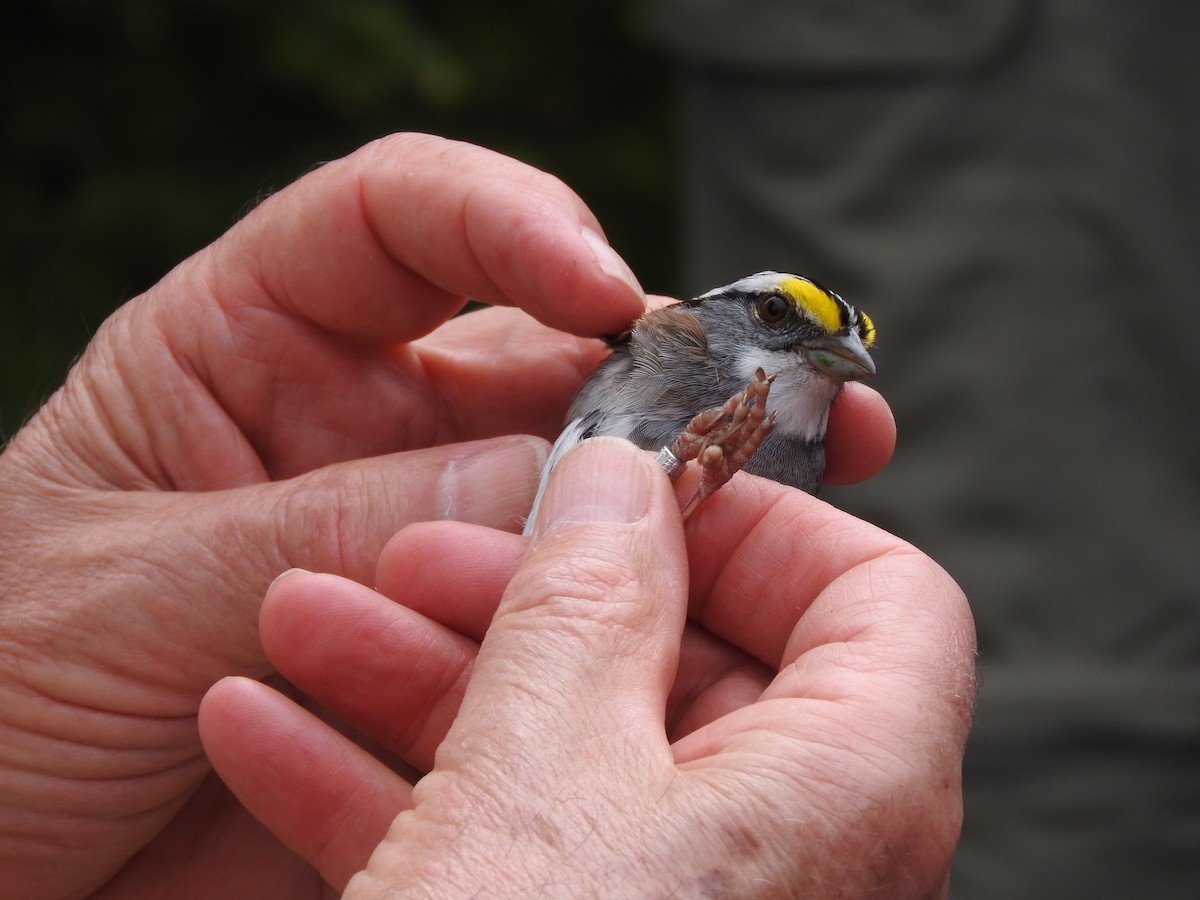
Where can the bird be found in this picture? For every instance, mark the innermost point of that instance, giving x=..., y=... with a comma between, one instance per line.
x=740, y=377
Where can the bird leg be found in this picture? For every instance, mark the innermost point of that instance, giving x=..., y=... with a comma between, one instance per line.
x=722, y=439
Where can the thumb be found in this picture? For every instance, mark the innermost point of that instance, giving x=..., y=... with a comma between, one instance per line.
x=175, y=579
x=589, y=626
x=569, y=688
x=338, y=518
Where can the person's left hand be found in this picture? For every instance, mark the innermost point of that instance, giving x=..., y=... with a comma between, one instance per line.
x=291, y=395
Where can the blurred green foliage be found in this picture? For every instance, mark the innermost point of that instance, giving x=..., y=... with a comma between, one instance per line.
x=136, y=131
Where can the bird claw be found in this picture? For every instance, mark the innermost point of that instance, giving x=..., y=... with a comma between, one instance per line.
x=723, y=439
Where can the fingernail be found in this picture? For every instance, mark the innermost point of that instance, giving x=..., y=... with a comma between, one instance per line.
x=611, y=264
x=603, y=481
x=493, y=485
x=294, y=570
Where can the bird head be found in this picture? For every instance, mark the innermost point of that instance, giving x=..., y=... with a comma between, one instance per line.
x=778, y=321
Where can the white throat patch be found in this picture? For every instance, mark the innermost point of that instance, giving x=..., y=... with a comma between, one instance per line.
x=799, y=398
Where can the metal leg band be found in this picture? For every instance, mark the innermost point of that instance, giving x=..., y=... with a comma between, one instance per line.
x=670, y=462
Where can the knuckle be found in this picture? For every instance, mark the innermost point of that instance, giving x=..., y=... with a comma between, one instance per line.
x=327, y=522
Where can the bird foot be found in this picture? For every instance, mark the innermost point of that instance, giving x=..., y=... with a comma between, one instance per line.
x=723, y=439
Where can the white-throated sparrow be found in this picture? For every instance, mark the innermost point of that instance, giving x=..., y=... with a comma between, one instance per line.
x=689, y=379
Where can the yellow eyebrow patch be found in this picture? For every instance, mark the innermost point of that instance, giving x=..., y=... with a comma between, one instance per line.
x=814, y=301
x=866, y=329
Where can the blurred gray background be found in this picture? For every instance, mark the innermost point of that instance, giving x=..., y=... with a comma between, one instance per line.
x=1010, y=187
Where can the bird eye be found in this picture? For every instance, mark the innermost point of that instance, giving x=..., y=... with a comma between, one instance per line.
x=772, y=309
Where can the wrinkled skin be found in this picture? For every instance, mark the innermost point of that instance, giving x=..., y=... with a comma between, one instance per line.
x=293, y=395
x=798, y=736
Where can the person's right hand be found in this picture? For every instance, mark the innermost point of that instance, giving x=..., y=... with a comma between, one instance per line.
x=801, y=735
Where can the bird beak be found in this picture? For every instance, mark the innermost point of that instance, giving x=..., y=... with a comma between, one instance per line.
x=842, y=357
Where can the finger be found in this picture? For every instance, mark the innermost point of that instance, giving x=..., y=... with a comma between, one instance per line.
x=875, y=674
x=861, y=436
x=263, y=746
x=875, y=684
x=387, y=671
x=487, y=382
x=912, y=630
x=336, y=642
x=859, y=625
x=585, y=642
x=715, y=678
x=761, y=552
x=480, y=368
x=387, y=243
x=451, y=572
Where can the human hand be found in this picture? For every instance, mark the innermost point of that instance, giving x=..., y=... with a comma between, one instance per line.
x=282, y=398
x=801, y=735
